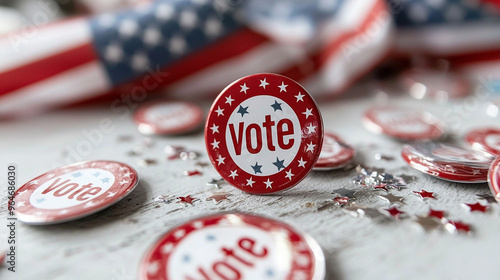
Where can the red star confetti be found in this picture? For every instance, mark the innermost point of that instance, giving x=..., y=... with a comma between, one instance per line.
x=186, y=199
x=218, y=197
x=381, y=187
x=456, y=226
x=477, y=207
x=192, y=173
x=425, y=194
x=341, y=200
x=395, y=212
x=436, y=214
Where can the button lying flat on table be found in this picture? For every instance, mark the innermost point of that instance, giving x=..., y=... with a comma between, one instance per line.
x=494, y=178
x=73, y=191
x=263, y=133
x=335, y=153
x=168, y=117
x=485, y=140
x=447, y=162
x=403, y=123
x=234, y=246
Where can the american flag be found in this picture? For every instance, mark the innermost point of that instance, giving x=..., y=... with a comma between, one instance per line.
x=194, y=48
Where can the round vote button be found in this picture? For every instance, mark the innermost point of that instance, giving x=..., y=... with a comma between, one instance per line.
x=403, y=123
x=485, y=140
x=234, y=246
x=168, y=117
x=335, y=153
x=73, y=191
x=264, y=133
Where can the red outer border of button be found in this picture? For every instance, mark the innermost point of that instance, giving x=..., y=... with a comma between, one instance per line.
x=435, y=131
x=494, y=178
x=280, y=182
x=52, y=216
x=314, y=270
x=193, y=124
x=340, y=160
x=476, y=139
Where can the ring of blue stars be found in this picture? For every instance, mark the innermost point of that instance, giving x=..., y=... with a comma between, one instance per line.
x=256, y=168
x=279, y=163
x=276, y=106
x=243, y=110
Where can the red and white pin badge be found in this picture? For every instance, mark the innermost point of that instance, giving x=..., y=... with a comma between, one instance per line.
x=403, y=123
x=494, y=178
x=264, y=133
x=73, y=191
x=448, y=162
x=234, y=246
x=168, y=117
x=335, y=153
x=485, y=140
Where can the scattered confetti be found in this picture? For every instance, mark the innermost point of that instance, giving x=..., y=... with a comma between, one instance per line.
x=185, y=155
x=407, y=179
x=436, y=214
x=192, y=173
x=134, y=153
x=392, y=198
x=179, y=152
x=345, y=192
x=384, y=157
x=427, y=223
x=456, y=226
x=395, y=212
x=477, y=207
x=202, y=164
x=341, y=200
x=377, y=178
x=218, y=197
x=216, y=182
x=424, y=194
x=165, y=198
x=147, y=162
x=186, y=199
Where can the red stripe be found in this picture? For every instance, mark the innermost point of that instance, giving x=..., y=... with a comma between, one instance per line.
x=40, y=70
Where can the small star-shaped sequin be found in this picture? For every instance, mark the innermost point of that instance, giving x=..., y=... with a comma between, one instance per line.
x=345, y=192
x=457, y=226
x=395, y=212
x=218, y=197
x=279, y=163
x=308, y=113
x=310, y=147
x=165, y=198
x=219, y=111
x=282, y=87
x=216, y=182
x=477, y=207
x=234, y=173
x=250, y=182
x=424, y=194
x=436, y=214
x=427, y=223
x=229, y=100
x=192, y=173
x=341, y=200
x=300, y=97
x=392, y=198
x=256, y=168
x=214, y=128
x=302, y=163
x=289, y=174
x=147, y=162
x=276, y=106
x=243, y=110
x=186, y=199
x=269, y=184
x=244, y=88
x=263, y=83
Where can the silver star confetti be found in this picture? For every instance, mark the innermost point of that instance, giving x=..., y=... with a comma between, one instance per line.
x=165, y=198
x=218, y=197
x=392, y=198
x=345, y=192
x=216, y=182
x=427, y=223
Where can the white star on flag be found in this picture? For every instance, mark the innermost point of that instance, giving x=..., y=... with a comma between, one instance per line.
x=308, y=113
x=219, y=111
x=311, y=128
x=215, y=144
x=310, y=147
x=229, y=100
x=244, y=88
x=289, y=175
x=233, y=173
x=220, y=160
x=299, y=97
x=250, y=182
x=263, y=83
x=282, y=87
x=268, y=184
x=214, y=128
x=302, y=163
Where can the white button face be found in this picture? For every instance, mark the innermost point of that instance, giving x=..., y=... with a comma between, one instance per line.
x=264, y=133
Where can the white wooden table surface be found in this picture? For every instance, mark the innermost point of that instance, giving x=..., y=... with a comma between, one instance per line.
x=110, y=244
